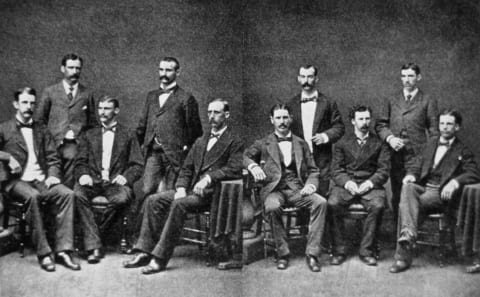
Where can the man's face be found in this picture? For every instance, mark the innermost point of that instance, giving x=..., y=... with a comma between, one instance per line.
x=107, y=112
x=281, y=120
x=71, y=71
x=307, y=79
x=25, y=106
x=410, y=79
x=447, y=126
x=167, y=72
x=361, y=122
x=217, y=115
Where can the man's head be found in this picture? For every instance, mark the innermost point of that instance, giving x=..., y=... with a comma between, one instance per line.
x=361, y=116
x=281, y=118
x=449, y=123
x=108, y=109
x=218, y=113
x=410, y=75
x=71, y=68
x=24, y=103
x=168, y=70
x=307, y=77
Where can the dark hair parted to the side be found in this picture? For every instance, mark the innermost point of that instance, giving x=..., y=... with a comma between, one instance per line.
x=315, y=70
x=412, y=66
x=108, y=98
x=24, y=90
x=226, y=105
x=451, y=112
x=171, y=59
x=71, y=57
x=280, y=106
x=358, y=108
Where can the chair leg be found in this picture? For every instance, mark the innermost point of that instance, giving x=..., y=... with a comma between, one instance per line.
x=207, y=240
x=123, y=240
x=23, y=231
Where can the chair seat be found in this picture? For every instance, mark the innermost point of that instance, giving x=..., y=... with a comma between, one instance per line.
x=357, y=207
x=100, y=200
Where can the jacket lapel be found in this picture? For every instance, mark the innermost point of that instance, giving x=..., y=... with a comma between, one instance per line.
x=118, y=145
x=297, y=151
x=319, y=111
x=414, y=102
x=217, y=149
x=273, y=150
x=21, y=141
x=203, y=148
x=169, y=103
x=297, y=113
x=430, y=156
x=450, y=160
x=97, y=144
x=80, y=91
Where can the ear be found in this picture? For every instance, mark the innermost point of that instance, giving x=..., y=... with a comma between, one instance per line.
x=116, y=110
x=62, y=69
x=457, y=127
x=271, y=119
x=353, y=121
x=177, y=72
x=227, y=114
x=419, y=77
x=15, y=104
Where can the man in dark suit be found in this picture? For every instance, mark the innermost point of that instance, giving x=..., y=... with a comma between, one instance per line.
x=33, y=177
x=405, y=122
x=291, y=178
x=360, y=167
x=213, y=158
x=109, y=162
x=433, y=181
x=67, y=109
x=318, y=121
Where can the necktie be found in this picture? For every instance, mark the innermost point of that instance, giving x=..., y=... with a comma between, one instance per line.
x=361, y=142
x=446, y=143
x=280, y=139
x=70, y=95
x=313, y=99
x=409, y=97
x=24, y=125
x=165, y=91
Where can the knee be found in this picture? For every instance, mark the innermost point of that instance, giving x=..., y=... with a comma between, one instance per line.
x=376, y=208
x=318, y=201
x=272, y=206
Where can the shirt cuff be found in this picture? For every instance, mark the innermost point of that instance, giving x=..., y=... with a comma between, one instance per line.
x=456, y=183
x=369, y=182
x=325, y=137
x=208, y=178
x=250, y=167
x=389, y=137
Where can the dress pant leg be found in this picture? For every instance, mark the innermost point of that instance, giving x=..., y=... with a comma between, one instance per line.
x=28, y=194
x=155, y=212
x=91, y=234
x=374, y=203
x=68, y=152
x=273, y=211
x=338, y=203
x=397, y=173
x=119, y=198
x=173, y=226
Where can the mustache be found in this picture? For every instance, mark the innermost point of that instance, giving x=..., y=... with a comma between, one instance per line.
x=164, y=76
x=282, y=126
x=306, y=84
x=30, y=112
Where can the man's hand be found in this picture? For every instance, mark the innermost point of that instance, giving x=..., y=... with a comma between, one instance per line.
x=365, y=187
x=119, y=180
x=449, y=189
x=351, y=187
x=200, y=186
x=85, y=180
x=258, y=173
x=180, y=193
x=15, y=167
x=396, y=143
x=409, y=179
x=70, y=135
x=51, y=181
x=308, y=189
x=319, y=138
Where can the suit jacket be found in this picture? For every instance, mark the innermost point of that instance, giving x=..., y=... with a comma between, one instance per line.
x=176, y=124
x=327, y=120
x=360, y=163
x=458, y=163
x=412, y=121
x=60, y=114
x=126, y=158
x=267, y=151
x=13, y=143
x=222, y=162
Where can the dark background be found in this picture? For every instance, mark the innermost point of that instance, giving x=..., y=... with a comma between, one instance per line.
x=247, y=51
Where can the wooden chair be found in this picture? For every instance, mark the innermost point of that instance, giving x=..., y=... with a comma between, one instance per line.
x=199, y=234
x=18, y=211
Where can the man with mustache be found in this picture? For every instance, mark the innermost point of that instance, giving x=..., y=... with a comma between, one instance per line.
x=67, y=109
x=284, y=163
x=33, y=170
x=360, y=167
x=213, y=158
x=406, y=121
x=109, y=162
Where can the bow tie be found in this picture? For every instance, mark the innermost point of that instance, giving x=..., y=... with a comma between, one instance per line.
x=214, y=135
x=24, y=125
x=166, y=91
x=280, y=139
x=446, y=143
x=112, y=129
x=313, y=99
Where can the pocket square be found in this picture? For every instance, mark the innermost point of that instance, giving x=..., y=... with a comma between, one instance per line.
x=84, y=107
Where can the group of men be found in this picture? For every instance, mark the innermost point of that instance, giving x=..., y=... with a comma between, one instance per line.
x=64, y=149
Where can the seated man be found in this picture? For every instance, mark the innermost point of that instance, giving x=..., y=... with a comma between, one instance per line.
x=432, y=181
x=291, y=178
x=214, y=157
x=360, y=167
x=34, y=179
x=109, y=162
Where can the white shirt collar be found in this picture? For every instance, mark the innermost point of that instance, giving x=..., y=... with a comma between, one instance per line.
x=288, y=135
x=21, y=121
x=67, y=87
x=313, y=94
x=413, y=93
x=362, y=138
x=170, y=86
x=220, y=132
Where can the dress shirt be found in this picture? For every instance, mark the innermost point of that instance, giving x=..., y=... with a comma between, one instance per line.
x=67, y=88
x=441, y=151
x=108, y=137
x=286, y=149
x=32, y=170
x=164, y=96
x=214, y=136
x=362, y=140
x=412, y=94
x=308, y=115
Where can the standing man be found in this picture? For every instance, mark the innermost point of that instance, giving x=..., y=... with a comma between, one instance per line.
x=406, y=121
x=434, y=180
x=109, y=162
x=291, y=178
x=212, y=159
x=360, y=167
x=67, y=109
x=318, y=121
x=34, y=174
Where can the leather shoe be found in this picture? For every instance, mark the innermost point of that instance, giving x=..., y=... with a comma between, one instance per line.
x=399, y=266
x=94, y=256
x=313, y=263
x=47, y=264
x=337, y=260
x=140, y=259
x=369, y=260
x=473, y=268
x=67, y=261
x=282, y=263
x=154, y=266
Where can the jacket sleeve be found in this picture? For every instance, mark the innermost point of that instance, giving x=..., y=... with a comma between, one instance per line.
x=339, y=171
x=233, y=167
x=134, y=168
x=185, y=176
x=52, y=157
x=194, y=125
x=380, y=177
x=469, y=169
x=432, y=118
x=42, y=109
x=82, y=159
x=142, y=123
x=253, y=154
x=92, y=120
x=382, y=123
x=313, y=177
x=337, y=129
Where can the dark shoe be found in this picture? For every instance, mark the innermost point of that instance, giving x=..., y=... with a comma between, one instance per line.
x=140, y=259
x=154, y=266
x=94, y=256
x=473, y=268
x=399, y=266
x=67, y=261
x=313, y=263
x=338, y=260
x=369, y=260
x=282, y=263
x=47, y=264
